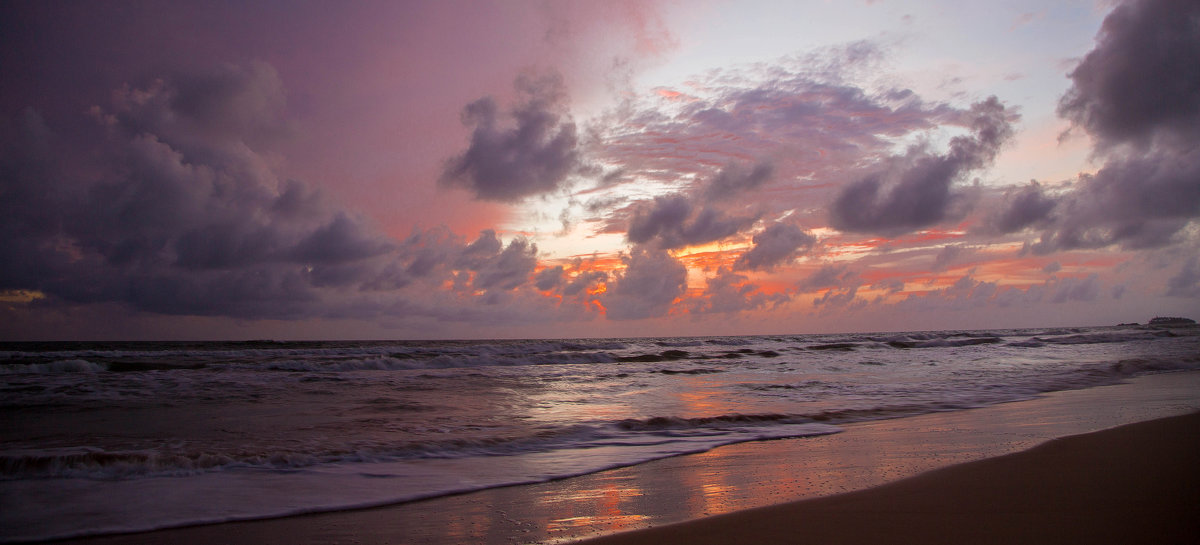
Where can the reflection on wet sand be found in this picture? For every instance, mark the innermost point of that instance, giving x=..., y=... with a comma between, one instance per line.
x=601, y=509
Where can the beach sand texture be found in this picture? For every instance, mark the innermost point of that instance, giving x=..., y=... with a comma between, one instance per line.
x=1129, y=485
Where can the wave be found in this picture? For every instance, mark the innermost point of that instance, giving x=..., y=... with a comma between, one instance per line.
x=96, y=463
x=53, y=367
x=941, y=342
x=1106, y=337
x=406, y=355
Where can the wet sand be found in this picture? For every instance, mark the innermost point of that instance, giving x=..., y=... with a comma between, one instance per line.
x=1138, y=483
x=754, y=475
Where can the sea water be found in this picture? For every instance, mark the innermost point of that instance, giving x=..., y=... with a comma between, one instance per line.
x=118, y=437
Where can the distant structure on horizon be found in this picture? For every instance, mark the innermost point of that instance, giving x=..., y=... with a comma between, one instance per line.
x=1171, y=321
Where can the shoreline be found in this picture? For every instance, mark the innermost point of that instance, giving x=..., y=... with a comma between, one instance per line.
x=1135, y=483
x=723, y=480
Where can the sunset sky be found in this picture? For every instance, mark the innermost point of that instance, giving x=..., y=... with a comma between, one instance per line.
x=212, y=170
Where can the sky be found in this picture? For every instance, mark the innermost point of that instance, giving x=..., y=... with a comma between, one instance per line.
x=547, y=169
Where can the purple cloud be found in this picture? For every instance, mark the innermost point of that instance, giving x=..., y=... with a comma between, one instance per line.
x=651, y=282
x=734, y=179
x=801, y=114
x=1138, y=94
x=549, y=278
x=732, y=292
x=776, y=245
x=1187, y=282
x=1074, y=289
x=827, y=276
x=914, y=190
x=183, y=214
x=509, y=268
x=949, y=254
x=671, y=221
x=1023, y=207
x=1140, y=83
x=533, y=154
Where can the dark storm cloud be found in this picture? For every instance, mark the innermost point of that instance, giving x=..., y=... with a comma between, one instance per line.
x=342, y=239
x=778, y=244
x=914, y=191
x=227, y=103
x=1138, y=94
x=1135, y=202
x=534, y=154
x=652, y=280
x=1023, y=207
x=1142, y=80
x=160, y=201
x=30, y=210
x=671, y=221
x=176, y=213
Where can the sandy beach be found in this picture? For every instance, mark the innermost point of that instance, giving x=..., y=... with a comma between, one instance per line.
x=1137, y=483
x=1110, y=484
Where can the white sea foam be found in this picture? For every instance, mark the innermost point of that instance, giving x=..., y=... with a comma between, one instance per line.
x=57, y=366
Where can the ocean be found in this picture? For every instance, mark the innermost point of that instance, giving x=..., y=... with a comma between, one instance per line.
x=130, y=436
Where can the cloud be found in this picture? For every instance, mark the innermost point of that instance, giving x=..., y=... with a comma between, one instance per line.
x=834, y=298
x=651, y=282
x=800, y=112
x=533, y=154
x=1141, y=83
x=549, y=278
x=1137, y=201
x=198, y=227
x=827, y=276
x=734, y=179
x=1138, y=94
x=949, y=254
x=342, y=239
x=180, y=212
x=778, y=244
x=964, y=293
x=671, y=221
x=29, y=202
x=1023, y=207
x=584, y=281
x=1187, y=282
x=1074, y=289
x=732, y=292
x=914, y=190
x=507, y=269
